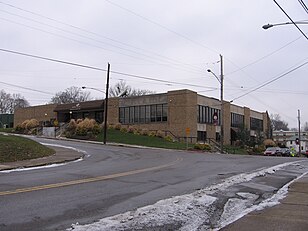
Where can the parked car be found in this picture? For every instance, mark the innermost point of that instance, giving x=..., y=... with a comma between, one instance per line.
x=273, y=151
x=285, y=151
x=306, y=153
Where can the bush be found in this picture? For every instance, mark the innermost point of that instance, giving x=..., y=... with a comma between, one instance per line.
x=160, y=134
x=117, y=126
x=131, y=129
x=33, y=123
x=123, y=129
x=269, y=143
x=168, y=138
x=203, y=147
x=144, y=132
x=152, y=134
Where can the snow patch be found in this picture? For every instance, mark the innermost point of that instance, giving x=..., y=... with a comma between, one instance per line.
x=182, y=210
x=191, y=211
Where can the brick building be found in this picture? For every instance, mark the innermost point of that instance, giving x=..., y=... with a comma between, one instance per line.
x=181, y=113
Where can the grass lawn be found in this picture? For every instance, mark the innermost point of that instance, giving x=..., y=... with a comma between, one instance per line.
x=15, y=148
x=117, y=136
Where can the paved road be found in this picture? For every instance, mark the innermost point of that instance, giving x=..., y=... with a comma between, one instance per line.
x=111, y=180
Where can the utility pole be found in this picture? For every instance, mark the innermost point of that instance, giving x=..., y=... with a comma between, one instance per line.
x=222, y=106
x=299, y=133
x=106, y=105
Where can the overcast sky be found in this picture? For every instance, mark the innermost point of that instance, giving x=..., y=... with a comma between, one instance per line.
x=169, y=40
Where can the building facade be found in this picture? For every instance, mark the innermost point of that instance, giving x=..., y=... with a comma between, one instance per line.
x=181, y=114
x=288, y=139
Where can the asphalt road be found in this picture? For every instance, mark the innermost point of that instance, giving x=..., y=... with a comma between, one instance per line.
x=111, y=180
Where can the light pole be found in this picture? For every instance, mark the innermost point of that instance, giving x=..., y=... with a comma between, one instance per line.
x=93, y=88
x=267, y=26
x=221, y=81
x=105, y=103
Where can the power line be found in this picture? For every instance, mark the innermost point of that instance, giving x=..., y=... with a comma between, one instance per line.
x=161, y=26
x=264, y=57
x=99, y=69
x=303, y=5
x=291, y=19
x=26, y=88
x=171, y=60
x=271, y=81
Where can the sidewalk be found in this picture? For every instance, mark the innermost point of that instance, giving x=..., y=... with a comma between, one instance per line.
x=291, y=214
x=62, y=155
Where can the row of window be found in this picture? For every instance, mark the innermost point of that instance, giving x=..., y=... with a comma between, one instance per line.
x=143, y=114
x=206, y=115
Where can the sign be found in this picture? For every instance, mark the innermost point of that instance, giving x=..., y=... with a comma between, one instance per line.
x=215, y=118
x=187, y=130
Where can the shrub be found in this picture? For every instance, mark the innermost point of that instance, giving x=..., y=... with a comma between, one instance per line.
x=269, y=143
x=144, y=132
x=168, y=138
x=33, y=123
x=203, y=147
x=24, y=124
x=123, y=129
x=79, y=121
x=152, y=134
x=160, y=134
x=96, y=129
x=117, y=126
x=131, y=129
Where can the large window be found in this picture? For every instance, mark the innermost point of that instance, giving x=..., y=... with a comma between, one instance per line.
x=237, y=120
x=256, y=124
x=205, y=115
x=143, y=114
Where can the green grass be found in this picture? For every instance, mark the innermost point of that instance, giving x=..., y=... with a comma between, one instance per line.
x=117, y=136
x=15, y=148
x=235, y=150
x=7, y=130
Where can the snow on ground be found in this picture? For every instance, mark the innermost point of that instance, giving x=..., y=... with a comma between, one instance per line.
x=190, y=211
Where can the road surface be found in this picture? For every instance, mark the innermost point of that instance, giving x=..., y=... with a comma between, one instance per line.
x=114, y=179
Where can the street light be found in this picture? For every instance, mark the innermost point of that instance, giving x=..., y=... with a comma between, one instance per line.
x=93, y=88
x=105, y=103
x=221, y=80
x=267, y=26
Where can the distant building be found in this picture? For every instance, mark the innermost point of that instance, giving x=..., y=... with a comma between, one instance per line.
x=181, y=113
x=288, y=139
x=6, y=120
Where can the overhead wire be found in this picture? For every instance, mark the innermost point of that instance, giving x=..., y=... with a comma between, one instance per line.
x=303, y=5
x=294, y=23
x=99, y=69
x=171, y=60
x=272, y=80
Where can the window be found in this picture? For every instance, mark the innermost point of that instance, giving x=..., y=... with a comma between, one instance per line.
x=153, y=113
x=237, y=120
x=143, y=114
x=256, y=124
x=205, y=115
x=99, y=116
x=165, y=112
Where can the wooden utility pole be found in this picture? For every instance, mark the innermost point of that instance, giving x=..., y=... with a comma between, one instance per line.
x=106, y=105
x=222, y=105
x=299, y=133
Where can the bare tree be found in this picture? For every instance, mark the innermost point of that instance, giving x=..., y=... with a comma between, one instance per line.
x=71, y=95
x=121, y=89
x=305, y=127
x=8, y=102
x=277, y=123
